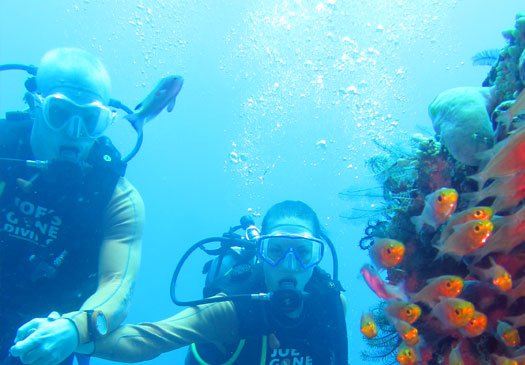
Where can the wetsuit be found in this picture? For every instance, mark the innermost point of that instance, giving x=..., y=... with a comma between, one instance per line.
x=66, y=244
x=241, y=333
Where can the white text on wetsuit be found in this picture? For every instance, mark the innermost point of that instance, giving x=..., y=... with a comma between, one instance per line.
x=32, y=222
x=289, y=357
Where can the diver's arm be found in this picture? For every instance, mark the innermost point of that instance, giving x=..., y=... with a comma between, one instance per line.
x=215, y=323
x=119, y=260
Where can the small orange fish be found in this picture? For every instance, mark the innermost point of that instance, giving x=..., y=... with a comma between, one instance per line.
x=517, y=321
x=439, y=206
x=510, y=234
x=387, y=252
x=406, y=355
x=379, y=286
x=475, y=326
x=407, y=332
x=495, y=274
x=471, y=214
x=503, y=360
x=508, y=334
x=466, y=239
x=442, y=286
x=453, y=312
x=454, y=357
x=508, y=158
x=406, y=311
x=504, y=120
x=516, y=292
x=520, y=359
x=507, y=190
x=368, y=325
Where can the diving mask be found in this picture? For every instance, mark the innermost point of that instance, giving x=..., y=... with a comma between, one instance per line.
x=61, y=112
x=283, y=247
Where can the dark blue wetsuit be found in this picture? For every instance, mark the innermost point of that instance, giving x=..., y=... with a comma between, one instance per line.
x=51, y=230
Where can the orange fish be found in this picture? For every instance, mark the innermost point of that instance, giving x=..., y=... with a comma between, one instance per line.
x=517, y=321
x=439, y=206
x=368, y=325
x=510, y=234
x=508, y=158
x=380, y=287
x=517, y=292
x=496, y=274
x=386, y=252
x=503, y=360
x=508, y=191
x=520, y=359
x=518, y=106
x=455, y=358
x=471, y=214
x=466, y=239
x=406, y=311
x=406, y=355
x=508, y=334
x=453, y=312
x=476, y=326
x=407, y=332
x=442, y=286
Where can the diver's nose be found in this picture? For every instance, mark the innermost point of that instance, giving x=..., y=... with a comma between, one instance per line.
x=74, y=126
x=290, y=262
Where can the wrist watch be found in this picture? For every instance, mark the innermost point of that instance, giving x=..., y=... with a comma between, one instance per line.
x=97, y=324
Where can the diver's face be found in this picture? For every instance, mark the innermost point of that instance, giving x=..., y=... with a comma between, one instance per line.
x=289, y=271
x=59, y=131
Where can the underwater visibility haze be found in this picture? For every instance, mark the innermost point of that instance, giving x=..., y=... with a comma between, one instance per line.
x=322, y=101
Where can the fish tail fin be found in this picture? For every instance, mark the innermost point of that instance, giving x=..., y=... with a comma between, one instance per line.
x=418, y=222
x=479, y=255
x=136, y=121
x=500, y=204
x=472, y=197
x=441, y=251
x=518, y=107
x=479, y=178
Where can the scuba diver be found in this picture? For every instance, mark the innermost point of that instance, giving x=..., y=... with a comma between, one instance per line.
x=289, y=312
x=71, y=224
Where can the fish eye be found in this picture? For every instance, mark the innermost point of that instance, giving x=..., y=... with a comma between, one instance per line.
x=448, y=284
x=477, y=228
x=478, y=213
x=458, y=312
x=440, y=198
x=388, y=251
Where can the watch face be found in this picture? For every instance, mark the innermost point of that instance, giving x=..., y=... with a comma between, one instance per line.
x=101, y=324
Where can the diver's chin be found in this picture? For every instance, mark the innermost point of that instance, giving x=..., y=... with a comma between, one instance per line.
x=288, y=284
x=69, y=154
x=288, y=298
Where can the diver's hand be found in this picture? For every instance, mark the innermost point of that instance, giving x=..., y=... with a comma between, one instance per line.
x=45, y=341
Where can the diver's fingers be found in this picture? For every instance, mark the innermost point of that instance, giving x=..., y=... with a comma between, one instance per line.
x=25, y=349
x=27, y=329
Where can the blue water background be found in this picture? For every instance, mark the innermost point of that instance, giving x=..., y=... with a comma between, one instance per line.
x=281, y=100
